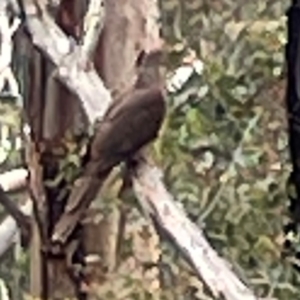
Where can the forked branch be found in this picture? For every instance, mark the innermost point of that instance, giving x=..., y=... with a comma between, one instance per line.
x=67, y=56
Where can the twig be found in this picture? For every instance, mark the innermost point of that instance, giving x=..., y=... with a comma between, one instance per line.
x=6, y=33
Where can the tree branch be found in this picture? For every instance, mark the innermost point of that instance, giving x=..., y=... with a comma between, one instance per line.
x=189, y=238
x=9, y=181
x=6, y=33
x=13, y=180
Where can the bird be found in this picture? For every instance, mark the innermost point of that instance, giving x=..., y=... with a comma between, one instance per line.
x=132, y=121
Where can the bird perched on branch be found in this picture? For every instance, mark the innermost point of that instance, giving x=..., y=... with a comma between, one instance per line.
x=131, y=122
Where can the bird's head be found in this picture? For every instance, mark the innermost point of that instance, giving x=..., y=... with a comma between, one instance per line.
x=150, y=68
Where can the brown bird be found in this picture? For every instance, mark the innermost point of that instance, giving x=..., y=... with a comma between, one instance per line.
x=131, y=122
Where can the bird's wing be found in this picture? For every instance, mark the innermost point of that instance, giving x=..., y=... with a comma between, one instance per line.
x=129, y=127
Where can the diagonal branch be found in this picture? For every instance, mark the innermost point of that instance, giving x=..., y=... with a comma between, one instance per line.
x=189, y=238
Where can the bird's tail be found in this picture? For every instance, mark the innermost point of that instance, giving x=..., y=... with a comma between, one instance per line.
x=83, y=193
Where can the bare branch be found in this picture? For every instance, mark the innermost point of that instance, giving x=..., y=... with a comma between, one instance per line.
x=13, y=180
x=71, y=70
x=9, y=229
x=92, y=26
x=189, y=238
x=23, y=221
x=9, y=181
x=6, y=33
x=46, y=35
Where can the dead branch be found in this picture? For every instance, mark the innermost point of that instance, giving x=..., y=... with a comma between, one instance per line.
x=9, y=230
x=189, y=238
x=7, y=31
x=23, y=222
x=13, y=180
x=10, y=181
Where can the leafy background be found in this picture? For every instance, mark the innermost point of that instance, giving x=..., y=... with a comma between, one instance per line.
x=224, y=146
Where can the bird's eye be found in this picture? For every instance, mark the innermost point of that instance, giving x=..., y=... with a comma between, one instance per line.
x=140, y=58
